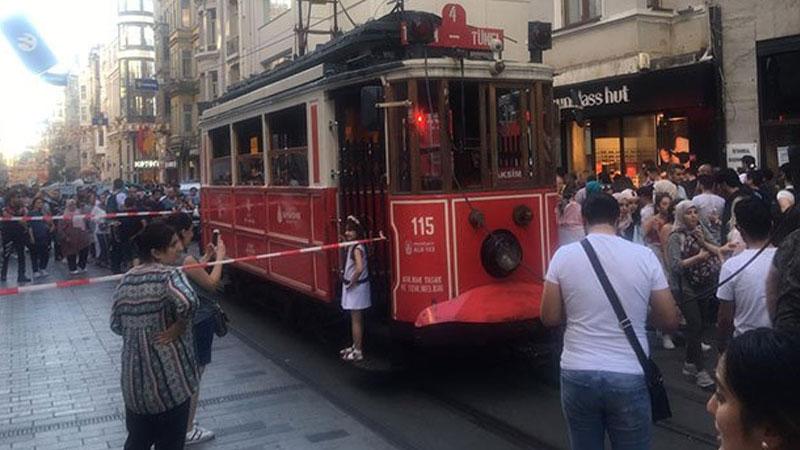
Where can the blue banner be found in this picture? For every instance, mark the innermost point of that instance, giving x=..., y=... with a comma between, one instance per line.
x=28, y=44
x=57, y=79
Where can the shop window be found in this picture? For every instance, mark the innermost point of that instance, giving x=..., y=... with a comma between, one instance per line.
x=220, y=141
x=639, y=141
x=510, y=164
x=426, y=124
x=579, y=11
x=249, y=154
x=465, y=112
x=288, y=147
x=673, y=140
x=780, y=90
x=607, y=145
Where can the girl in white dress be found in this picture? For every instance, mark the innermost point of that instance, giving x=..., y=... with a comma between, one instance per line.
x=355, y=289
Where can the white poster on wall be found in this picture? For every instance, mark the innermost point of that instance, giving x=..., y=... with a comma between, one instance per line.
x=735, y=152
x=783, y=155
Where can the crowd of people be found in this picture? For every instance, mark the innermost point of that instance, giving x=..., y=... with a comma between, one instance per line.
x=84, y=234
x=710, y=255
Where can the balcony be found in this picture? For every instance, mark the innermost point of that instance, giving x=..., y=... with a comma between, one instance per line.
x=172, y=87
x=232, y=47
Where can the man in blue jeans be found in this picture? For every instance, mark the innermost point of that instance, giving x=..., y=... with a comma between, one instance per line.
x=603, y=388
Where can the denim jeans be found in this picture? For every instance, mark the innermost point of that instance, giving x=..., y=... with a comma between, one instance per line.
x=596, y=403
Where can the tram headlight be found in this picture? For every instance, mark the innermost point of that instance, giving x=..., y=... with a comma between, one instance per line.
x=501, y=253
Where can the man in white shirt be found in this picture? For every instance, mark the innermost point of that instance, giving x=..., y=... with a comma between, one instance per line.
x=603, y=389
x=743, y=300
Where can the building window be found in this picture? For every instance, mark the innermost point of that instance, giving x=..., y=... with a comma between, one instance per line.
x=135, y=36
x=83, y=91
x=579, y=11
x=141, y=106
x=779, y=98
x=211, y=29
x=134, y=69
x=274, y=8
x=214, y=84
x=135, y=6
x=101, y=137
x=186, y=13
x=186, y=63
x=187, y=119
x=288, y=147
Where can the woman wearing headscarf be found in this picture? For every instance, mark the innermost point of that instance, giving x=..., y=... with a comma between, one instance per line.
x=73, y=236
x=627, y=206
x=693, y=262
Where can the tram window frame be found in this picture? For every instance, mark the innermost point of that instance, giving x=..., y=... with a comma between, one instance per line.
x=473, y=107
x=528, y=177
x=220, y=156
x=288, y=126
x=249, y=135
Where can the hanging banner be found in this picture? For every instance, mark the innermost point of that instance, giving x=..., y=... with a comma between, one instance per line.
x=28, y=44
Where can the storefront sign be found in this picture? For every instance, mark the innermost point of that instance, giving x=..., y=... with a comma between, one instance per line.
x=645, y=92
x=735, y=152
x=145, y=164
x=604, y=96
x=146, y=84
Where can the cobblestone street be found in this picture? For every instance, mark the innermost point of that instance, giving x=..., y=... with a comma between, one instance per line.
x=59, y=384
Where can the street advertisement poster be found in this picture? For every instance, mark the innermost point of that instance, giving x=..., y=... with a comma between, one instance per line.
x=735, y=152
x=783, y=155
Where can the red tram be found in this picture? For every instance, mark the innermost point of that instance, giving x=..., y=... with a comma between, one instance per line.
x=438, y=145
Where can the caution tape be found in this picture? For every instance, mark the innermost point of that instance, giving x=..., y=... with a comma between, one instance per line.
x=89, y=216
x=104, y=279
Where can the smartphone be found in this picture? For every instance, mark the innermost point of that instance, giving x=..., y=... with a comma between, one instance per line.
x=215, y=237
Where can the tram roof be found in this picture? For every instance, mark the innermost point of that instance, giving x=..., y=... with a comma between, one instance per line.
x=368, y=51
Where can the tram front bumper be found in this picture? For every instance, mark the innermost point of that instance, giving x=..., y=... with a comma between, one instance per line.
x=488, y=304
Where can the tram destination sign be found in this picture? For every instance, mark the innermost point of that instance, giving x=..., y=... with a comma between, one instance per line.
x=455, y=33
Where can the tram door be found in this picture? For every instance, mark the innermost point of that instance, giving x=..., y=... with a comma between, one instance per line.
x=363, y=190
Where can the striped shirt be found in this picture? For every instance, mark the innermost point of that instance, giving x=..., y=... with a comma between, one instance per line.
x=155, y=377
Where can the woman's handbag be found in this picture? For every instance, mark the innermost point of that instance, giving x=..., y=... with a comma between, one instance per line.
x=220, y=321
x=659, y=403
x=704, y=273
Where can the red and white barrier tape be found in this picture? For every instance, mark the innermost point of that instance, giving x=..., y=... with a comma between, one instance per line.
x=103, y=279
x=88, y=216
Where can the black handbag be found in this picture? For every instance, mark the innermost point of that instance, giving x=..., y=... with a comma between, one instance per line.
x=220, y=321
x=659, y=402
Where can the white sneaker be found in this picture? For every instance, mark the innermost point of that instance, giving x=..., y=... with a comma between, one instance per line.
x=666, y=341
x=37, y=274
x=198, y=434
x=43, y=273
x=704, y=380
x=73, y=272
x=355, y=355
x=689, y=370
x=705, y=347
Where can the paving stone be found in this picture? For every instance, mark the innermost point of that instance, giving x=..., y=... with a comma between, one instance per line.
x=59, y=384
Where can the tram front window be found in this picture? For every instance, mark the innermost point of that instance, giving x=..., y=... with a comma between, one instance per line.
x=428, y=125
x=510, y=163
x=465, y=111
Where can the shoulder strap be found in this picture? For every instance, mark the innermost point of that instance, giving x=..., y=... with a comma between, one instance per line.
x=611, y=294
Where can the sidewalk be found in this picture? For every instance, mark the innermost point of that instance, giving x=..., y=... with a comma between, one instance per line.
x=59, y=384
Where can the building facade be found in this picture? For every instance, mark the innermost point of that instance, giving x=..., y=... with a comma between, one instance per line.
x=134, y=135
x=179, y=87
x=92, y=118
x=761, y=60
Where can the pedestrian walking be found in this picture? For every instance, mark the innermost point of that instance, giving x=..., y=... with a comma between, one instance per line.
x=568, y=214
x=41, y=234
x=206, y=286
x=693, y=264
x=73, y=236
x=603, y=387
x=15, y=237
x=757, y=402
x=743, y=299
x=355, y=289
x=159, y=367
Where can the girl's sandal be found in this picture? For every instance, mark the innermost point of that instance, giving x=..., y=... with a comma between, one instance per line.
x=346, y=350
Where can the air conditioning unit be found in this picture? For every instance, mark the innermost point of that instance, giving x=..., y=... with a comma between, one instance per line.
x=643, y=61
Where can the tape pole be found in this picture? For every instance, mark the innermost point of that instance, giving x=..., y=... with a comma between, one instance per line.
x=4, y=292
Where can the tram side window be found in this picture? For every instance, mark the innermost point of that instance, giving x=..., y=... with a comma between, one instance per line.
x=427, y=123
x=249, y=155
x=220, y=156
x=510, y=164
x=288, y=149
x=465, y=112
